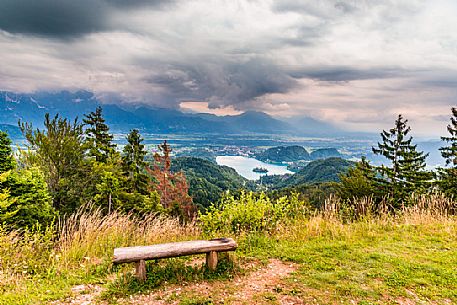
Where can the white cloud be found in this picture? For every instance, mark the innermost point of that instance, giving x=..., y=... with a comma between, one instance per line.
x=356, y=63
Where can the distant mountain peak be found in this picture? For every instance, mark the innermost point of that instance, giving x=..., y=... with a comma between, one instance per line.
x=32, y=107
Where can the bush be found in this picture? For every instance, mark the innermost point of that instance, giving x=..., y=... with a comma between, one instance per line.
x=251, y=213
x=24, y=200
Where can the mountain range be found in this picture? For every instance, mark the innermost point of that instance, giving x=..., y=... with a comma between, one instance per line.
x=124, y=116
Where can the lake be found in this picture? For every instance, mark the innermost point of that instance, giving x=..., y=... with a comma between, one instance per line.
x=245, y=165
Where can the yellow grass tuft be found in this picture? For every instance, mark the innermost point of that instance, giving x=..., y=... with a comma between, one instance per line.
x=90, y=234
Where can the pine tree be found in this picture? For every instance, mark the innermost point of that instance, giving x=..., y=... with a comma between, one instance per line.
x=108, y=188
x=448, y=175
x=406, y=173
x=449, y=153
x=359, y=182
x=98, y=139
x=6, y=153
x=133, y=163
x=24, y=199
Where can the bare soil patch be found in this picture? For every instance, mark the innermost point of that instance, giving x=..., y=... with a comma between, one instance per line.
x=258, y=287
x=263, y=285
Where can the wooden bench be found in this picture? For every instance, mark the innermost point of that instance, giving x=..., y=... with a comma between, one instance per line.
x=140, y=254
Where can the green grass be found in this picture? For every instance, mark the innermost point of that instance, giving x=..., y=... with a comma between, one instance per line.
x=372, y=261
x=169, y=271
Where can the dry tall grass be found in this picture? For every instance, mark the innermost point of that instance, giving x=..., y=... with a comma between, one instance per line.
x=84, y=239
x=89, y=234
x=347, y=220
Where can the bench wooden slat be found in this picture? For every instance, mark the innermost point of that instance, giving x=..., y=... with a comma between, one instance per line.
x=135, y=254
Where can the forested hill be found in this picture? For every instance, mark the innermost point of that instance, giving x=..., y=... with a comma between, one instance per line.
x=295, y=153
x=207, y=180
x=284, y=154
x=326, y=170
x=324, y=153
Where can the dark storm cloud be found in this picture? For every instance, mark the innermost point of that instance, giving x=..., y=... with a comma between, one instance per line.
x=53, y=18
x=344, y=74
x=223, y=83
x=63, y=18
x=140, y=3
x=340, y=59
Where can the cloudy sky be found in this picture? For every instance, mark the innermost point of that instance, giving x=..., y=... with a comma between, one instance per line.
x=354, y=63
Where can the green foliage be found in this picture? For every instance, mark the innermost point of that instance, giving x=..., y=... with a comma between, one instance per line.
x=284, y=154
x=58, y=152
x=207, y=180
x=133, y=164
x=107, y=189
x=98, y=139
x=359, y=182
x=73, y=179
x=447, y=182
x=139, y=203
x=318, y=171
x=315, y=194
x=448, y=175
x=449, y=152
x=324, y=153
x=170, y=271
x=24, y=200
x=406, y=173
x=6, y=201
x=6, y=153
x=250, y=213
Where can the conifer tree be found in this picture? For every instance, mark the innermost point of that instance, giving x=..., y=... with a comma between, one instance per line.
x=449, y=152
x=107, y=189
x=6, y=153
x=448, y=175
x=359, y=182
x=406, y=172
x=98, y=139
x=133, y=163
x=24, y=197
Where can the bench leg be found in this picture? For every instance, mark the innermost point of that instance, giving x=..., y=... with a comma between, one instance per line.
x=140, y=267
x=211, y=260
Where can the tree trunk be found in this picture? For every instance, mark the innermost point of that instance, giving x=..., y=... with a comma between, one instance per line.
x=109, y=203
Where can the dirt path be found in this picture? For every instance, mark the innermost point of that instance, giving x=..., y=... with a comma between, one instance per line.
x=259, y=287
x=263, y=286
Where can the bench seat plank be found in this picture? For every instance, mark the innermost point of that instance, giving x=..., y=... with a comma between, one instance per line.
x=175, y=249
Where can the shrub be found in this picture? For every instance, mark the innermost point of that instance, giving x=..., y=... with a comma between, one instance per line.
x=251, y=213
x=24, y=199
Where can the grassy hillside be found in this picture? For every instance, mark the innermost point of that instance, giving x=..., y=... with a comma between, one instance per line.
x=207, y=180
x=409, y=258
